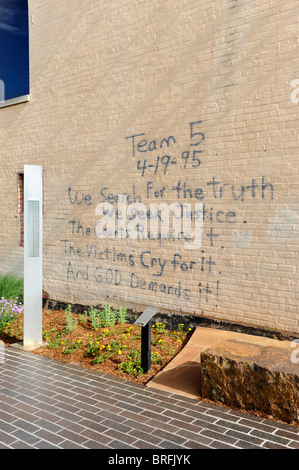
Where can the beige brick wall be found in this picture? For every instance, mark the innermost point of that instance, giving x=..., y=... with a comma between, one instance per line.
x=218, y=74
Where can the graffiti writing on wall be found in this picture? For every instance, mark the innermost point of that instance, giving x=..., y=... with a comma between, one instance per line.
x=192, y=276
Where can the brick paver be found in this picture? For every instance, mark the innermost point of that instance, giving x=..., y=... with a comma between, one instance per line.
x=45, y=404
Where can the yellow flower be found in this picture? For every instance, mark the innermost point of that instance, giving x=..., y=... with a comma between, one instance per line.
x=119, y=351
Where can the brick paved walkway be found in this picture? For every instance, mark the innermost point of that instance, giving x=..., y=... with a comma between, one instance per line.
x=45, y=404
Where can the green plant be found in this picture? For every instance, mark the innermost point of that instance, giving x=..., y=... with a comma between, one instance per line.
x=105, y=318
x=98, y=359
x=83, y=317
x=181, y=331
x=133, y=363
x=166, y=349
x=71, y=322
x=133, y=355
x=122, y=315
x=113, y=347
x=133, y=368
x=93, y=347
x=9, y=311
x=100, y=352
x=11, y=287
x=47, y=333
x=160, y=328
x=69, y=346
x=157, y=342
x=108, y=316
x=56, y=342
x=155, y=358
x=95, y=319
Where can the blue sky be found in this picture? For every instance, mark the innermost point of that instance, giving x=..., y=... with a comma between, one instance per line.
x=14, y=53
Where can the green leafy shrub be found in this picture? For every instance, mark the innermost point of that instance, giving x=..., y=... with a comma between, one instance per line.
x=106, y=317
x=12, y=287
x=122, y=315
x=95, y=319
x=71, y=322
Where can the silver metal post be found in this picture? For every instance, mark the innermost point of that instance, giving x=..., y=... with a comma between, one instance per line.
x=33, y=235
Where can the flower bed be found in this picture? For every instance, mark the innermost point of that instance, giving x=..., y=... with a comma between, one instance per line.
x=101, y=340
x=10, y=311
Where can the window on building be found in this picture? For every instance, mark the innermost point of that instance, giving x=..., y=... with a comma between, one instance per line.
x=14, y=52
x=20, y=184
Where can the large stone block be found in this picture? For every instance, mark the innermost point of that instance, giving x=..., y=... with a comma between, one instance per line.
x=252, y=378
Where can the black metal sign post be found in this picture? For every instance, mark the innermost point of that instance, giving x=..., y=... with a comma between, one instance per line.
x=145, y=321
x=146, y=346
